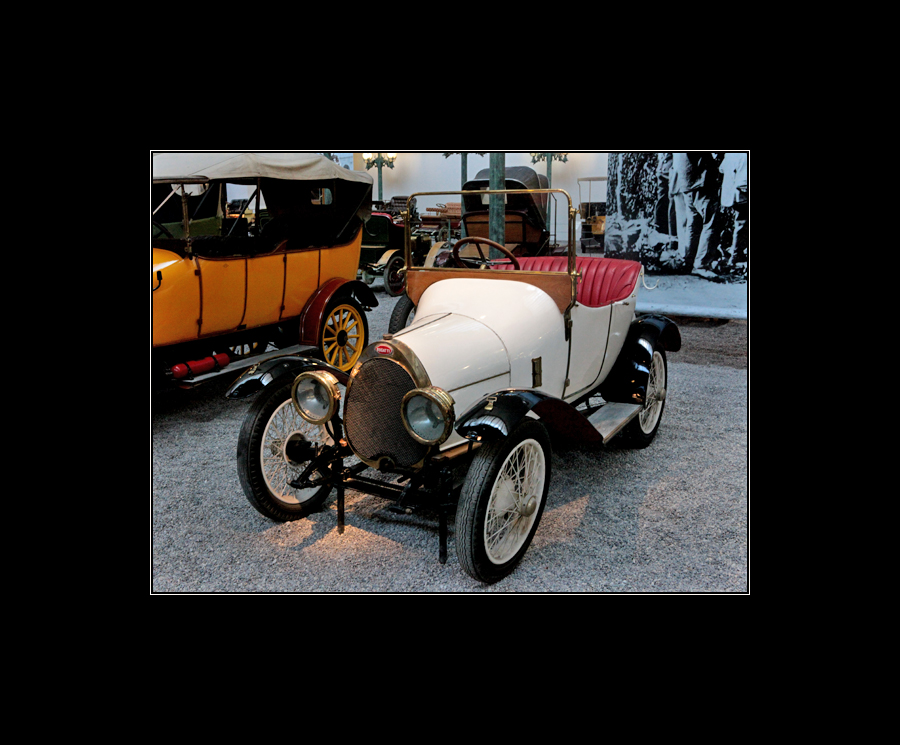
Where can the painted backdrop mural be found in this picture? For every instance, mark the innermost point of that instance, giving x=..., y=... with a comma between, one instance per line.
x=680, y=213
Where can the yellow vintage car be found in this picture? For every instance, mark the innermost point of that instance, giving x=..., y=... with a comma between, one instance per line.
x=225, y=291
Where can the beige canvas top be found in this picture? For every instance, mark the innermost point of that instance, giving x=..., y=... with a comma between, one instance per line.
x=200, y=167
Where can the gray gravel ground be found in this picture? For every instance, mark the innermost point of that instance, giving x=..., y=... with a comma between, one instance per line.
x=673, y=518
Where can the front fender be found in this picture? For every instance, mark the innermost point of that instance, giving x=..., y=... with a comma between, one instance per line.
x=257, y=377
x=501, y=412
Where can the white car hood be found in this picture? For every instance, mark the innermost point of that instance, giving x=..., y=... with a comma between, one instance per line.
x=456, y=351
x=477, y=336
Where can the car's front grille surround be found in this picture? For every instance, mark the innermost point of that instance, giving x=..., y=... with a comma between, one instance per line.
x=372, y=417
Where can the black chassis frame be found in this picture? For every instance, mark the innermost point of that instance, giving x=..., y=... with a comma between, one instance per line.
x=435, y=485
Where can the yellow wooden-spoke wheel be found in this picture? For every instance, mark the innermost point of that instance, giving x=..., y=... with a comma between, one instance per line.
x=344, y=334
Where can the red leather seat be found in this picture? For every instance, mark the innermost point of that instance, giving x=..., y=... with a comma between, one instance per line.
x=602, y=282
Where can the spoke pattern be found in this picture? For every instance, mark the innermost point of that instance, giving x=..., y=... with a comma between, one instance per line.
x=277, y=470
x=343, y=349
x=245, y=350
x=514, y=502
x=655, y=387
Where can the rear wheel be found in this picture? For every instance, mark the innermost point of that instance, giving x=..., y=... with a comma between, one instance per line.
x=641, y=430
x=273, y=450
x=502, y=501
x=394, y=280
x=344, y=333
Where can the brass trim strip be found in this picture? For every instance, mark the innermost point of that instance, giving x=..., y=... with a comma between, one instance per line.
x=476, y=382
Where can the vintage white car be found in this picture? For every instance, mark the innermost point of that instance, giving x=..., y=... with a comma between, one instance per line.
x=503, y=357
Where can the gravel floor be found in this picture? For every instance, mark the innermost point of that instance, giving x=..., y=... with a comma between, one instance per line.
x=673, y=518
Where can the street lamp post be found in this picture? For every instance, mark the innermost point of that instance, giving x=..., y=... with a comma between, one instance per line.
x=380, y=160
x=549, y=157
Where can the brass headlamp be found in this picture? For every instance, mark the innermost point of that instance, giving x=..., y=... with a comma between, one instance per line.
x=428, y=415
x=316, y=396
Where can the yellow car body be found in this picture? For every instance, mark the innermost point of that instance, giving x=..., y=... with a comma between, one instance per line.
x=224, y=289
x=204, y=296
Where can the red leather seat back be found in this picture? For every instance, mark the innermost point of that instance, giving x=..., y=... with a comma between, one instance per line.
x=603, y=281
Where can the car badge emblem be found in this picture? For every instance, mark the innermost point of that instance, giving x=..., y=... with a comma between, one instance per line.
x=383, y=349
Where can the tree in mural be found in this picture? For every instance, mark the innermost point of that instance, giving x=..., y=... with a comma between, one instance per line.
x=680, y=213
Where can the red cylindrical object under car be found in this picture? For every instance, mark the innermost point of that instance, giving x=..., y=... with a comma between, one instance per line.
x=199, y=367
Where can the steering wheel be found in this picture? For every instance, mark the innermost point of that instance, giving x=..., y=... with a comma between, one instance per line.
x=454, y=254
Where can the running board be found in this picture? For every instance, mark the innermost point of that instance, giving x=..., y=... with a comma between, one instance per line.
x=609, y=419
x=243, y=363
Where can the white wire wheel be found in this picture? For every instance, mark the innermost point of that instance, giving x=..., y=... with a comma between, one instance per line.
x=656, y=395
x=273, y=449
x=641, y=430
x=514, y=501
x=285, y=430
x=501, y=502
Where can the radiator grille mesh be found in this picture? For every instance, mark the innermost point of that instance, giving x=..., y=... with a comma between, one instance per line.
x=372, y=414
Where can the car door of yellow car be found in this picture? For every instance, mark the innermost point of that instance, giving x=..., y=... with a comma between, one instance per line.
x=265, y=288
x=301, y=280
x=249, y=292
x=223, y=290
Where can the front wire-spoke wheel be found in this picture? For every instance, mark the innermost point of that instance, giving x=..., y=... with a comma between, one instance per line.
x=275, y=445
x=344, y=333
x=502, y=501
x=513, y=503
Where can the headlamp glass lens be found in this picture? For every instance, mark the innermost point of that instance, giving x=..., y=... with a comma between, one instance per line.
x=425, y=418
x=313, y=399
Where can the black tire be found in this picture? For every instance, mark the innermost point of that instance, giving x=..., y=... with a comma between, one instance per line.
x=342, y=350
x=641, y=430
x=404, y=312
x=394, y=279
x=263, y=467
x=481, y=557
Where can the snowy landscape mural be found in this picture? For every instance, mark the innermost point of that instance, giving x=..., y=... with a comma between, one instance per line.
x=680, y=213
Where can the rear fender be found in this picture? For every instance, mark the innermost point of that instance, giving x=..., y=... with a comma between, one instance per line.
x=627, y=381
x=314, y=313
x=382, y=261
x=500, y=413
x=255, y=378
x=657, y=330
